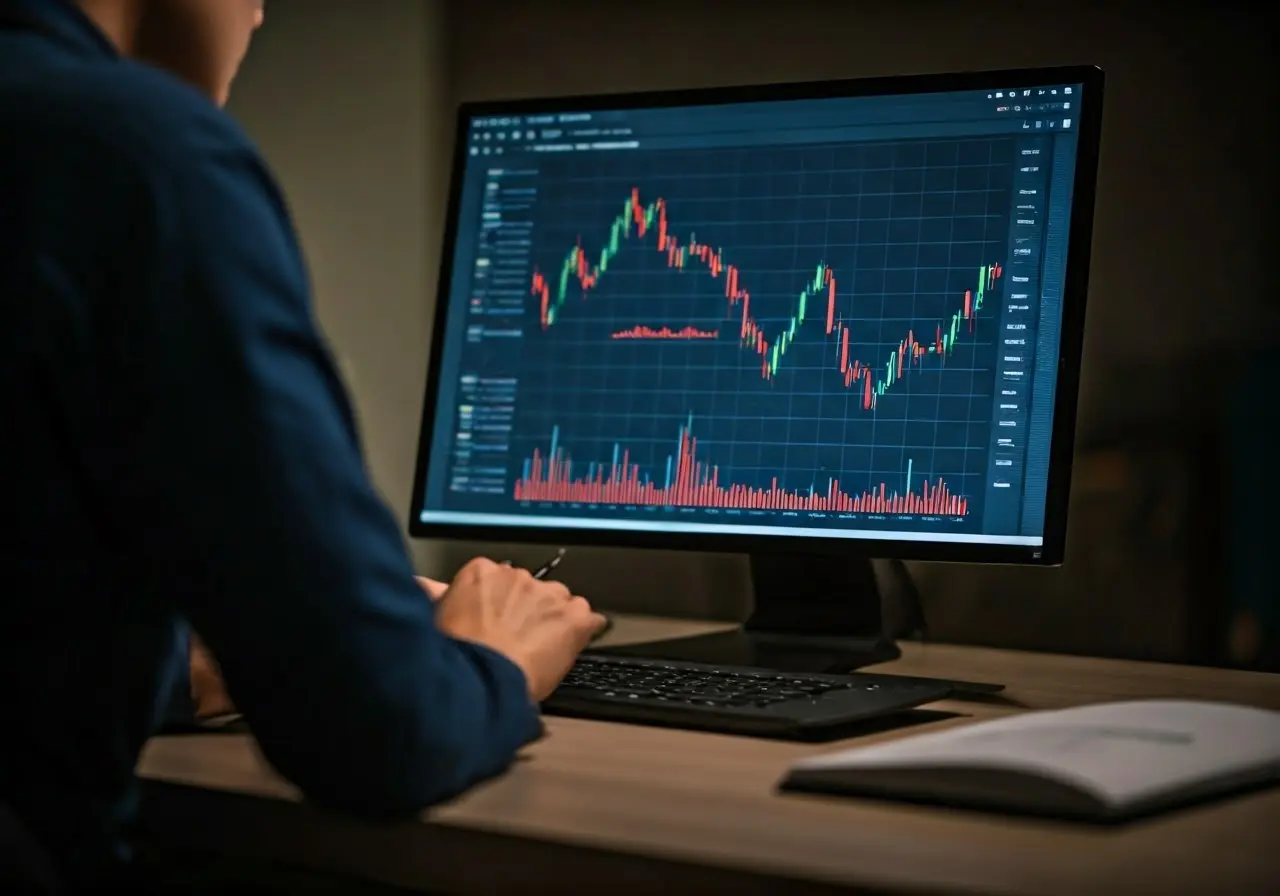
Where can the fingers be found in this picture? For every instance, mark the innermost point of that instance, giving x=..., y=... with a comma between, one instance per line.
x=476, y=567
x=587, y=623
x=515, y=577
x=472, y=572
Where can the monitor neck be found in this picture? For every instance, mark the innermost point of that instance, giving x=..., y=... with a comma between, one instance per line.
x=815, y=596
x=812, y=614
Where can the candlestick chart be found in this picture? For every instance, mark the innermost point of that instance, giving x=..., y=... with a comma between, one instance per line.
x=717, y=342
x=871, y=379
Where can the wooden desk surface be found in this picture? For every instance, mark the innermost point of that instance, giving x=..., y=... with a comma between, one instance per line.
x=592, y=800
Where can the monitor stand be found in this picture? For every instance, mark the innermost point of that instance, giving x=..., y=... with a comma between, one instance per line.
x=812, y=614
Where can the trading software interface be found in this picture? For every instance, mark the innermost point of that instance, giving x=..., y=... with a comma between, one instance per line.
x=824, y=317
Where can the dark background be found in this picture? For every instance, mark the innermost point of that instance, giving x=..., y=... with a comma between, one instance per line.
x=1173, y=525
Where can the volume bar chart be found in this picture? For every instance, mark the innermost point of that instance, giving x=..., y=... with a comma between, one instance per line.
x=553, y=477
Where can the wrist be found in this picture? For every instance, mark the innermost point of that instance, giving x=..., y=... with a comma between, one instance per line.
x=513, y=657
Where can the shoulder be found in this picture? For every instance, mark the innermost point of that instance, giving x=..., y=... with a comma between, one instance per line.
x=127, y=133
x=132, y=111
x=155, y=136
x=154, y=169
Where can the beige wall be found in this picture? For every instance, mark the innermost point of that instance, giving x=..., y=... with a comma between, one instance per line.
x=346, y=99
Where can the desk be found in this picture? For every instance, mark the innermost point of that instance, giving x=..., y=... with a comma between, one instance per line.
x=601, y=807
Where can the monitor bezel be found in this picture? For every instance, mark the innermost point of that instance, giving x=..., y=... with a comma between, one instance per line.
x=1074, y=296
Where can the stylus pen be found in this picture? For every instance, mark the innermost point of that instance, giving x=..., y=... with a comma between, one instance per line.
x=545, y=569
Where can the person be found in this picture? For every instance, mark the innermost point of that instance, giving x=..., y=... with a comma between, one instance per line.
x=178, y=450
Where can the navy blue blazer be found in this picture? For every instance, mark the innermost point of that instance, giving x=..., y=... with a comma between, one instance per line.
x=178, y=449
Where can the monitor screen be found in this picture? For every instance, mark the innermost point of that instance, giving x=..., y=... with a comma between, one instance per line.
x=833, y=317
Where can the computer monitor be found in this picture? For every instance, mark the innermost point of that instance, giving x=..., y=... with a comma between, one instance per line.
x=836, y=320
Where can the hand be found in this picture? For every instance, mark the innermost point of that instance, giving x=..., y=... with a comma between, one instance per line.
x=540, y=626
x=208, y=693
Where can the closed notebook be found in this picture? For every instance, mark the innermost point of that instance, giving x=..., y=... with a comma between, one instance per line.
x=1106, y=763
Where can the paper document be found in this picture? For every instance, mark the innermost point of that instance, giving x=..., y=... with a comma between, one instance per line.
x=1115, y=754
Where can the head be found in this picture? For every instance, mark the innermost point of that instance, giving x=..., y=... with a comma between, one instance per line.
x=201, y=42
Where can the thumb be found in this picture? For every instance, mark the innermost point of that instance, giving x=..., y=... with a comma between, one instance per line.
x=435, y=590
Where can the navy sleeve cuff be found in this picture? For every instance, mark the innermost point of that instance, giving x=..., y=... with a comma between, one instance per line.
x=507, y=679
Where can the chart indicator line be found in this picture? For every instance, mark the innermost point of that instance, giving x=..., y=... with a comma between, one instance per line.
x=687, y=481
x=872, y=380
x=685, y=334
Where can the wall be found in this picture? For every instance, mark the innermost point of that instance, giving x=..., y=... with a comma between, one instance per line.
x=346, y=100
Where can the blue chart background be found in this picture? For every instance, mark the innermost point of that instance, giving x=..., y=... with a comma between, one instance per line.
x=905, y=227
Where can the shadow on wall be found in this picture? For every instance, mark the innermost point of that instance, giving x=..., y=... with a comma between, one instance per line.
x=1138, y=577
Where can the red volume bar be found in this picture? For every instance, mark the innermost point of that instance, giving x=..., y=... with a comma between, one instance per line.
x=689, y=482
x=683, y=334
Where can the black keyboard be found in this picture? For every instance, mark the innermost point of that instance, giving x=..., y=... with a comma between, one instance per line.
x=731, y=699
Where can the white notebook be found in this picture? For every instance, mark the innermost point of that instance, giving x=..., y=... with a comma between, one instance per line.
x=1106, y=762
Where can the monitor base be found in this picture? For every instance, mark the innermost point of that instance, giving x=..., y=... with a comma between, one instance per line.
x=812, y=614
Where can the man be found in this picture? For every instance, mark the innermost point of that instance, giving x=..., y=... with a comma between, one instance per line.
x=178, y=448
